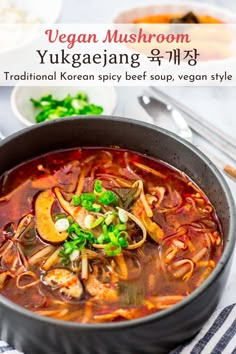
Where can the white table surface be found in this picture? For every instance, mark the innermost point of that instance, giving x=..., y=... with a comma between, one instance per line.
x=215, y=104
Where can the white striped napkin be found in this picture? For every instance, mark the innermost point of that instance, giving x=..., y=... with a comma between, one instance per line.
x=5, y=348
x=218, y=336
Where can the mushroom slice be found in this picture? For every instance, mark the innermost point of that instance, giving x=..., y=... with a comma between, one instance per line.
x=44, y=222
x=65, y=281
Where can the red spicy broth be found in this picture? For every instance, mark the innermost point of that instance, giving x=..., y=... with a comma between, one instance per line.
x=100, y=235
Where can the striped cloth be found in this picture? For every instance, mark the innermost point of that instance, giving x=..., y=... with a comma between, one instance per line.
x=5, y=348
x=218, y=336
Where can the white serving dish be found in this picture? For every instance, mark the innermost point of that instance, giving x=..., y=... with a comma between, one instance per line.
x=25, y=111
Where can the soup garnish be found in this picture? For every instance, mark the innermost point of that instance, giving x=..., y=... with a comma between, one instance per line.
x=53, y=108
x=98, y=235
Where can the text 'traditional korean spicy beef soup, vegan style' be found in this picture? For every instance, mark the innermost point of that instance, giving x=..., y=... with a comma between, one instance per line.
x=99, y=235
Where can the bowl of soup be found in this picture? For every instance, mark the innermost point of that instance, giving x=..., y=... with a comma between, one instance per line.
x=169, y=12
x=214, y=43
x=116, y=236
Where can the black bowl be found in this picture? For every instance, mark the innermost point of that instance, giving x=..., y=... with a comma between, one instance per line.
x=157, y=333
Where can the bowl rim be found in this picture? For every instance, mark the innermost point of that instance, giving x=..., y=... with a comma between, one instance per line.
x=198, y=5
x=15, y=110
x=111, y=90
x=225, y=258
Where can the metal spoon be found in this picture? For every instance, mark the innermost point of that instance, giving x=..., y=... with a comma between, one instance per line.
x=201, y=126
x=1, y=136
x=157, y=109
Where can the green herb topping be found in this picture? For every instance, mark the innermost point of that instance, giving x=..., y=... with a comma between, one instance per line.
x=51, y=108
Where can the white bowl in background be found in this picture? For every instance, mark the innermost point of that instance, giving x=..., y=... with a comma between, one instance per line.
x=25, y=111
x=129, y=14
x=23, y=23
x=227, y=16
x=46, y=11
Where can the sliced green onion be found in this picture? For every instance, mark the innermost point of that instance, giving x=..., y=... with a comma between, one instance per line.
x=70, y=246
x=113, y=237
x=87, y=205
x=123, y=242
x=108, y=198
x=98, y=186
x=74, y=236
x=88, y=221
x=68, y=249
x=104, y=229
x=79, y=238
x=69, y=106
x=65, y=260
x=62, y=224
x=96, y=207
x=76, y=200
x=116, y=232
x=70, y=219
x=90, y=197
x=60, y=216
x=124, y=234
x=123, y=216
x=109, y=218
x=101, y=239
x=112, y=249
x=78, y=245
x=111, y=228
x=74, y=228
x=97, y=222
x=89, y=236
x=121, y=227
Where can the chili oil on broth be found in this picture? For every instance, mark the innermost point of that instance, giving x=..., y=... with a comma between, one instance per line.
x=100, y=235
